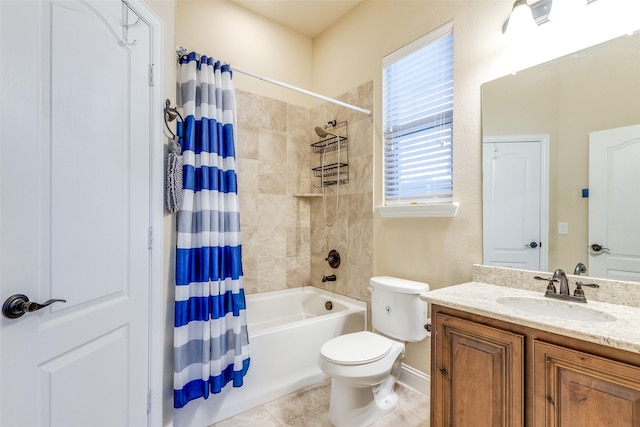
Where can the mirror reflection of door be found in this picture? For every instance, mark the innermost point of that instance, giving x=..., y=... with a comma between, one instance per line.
x=515, y=207
x=614, y=205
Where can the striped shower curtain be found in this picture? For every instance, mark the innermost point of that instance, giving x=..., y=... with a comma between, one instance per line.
x=211, y=344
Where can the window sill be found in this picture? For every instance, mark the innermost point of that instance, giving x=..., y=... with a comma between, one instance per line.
x=419, y=210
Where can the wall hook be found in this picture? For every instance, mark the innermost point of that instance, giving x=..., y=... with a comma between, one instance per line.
x=170, y=114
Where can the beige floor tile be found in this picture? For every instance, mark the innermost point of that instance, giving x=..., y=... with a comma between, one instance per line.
x=413, y=407
x=390, y=420
x=314, y=418
x=300, y=402
x=258, y=416
x=309, y=407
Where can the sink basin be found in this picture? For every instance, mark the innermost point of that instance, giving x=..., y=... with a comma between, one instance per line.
x=552, y=308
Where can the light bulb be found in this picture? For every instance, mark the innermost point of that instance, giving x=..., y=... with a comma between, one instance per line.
x=521, y=23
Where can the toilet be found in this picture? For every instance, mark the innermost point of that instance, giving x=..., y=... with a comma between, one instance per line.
x=364, y=366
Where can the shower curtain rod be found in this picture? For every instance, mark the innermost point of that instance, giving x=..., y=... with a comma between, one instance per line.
x=183, y=51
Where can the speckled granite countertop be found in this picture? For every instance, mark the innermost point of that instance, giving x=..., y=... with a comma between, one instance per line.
x=620, y=328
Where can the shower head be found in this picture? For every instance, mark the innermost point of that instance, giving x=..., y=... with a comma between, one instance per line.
x=323, y=133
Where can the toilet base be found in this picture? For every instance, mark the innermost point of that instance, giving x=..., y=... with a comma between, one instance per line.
x=351, y=406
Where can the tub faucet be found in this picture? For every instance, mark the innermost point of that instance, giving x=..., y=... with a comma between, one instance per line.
x=580, y=268
x=560, y=275
x=331, y=278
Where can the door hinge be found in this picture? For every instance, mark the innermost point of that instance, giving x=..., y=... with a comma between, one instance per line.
x=151, y=82
x=150, y=237
x=149, y=402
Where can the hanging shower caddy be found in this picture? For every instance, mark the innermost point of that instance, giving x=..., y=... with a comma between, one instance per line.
x=333, y=168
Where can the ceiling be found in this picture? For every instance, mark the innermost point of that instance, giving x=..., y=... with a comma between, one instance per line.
x=307, y=17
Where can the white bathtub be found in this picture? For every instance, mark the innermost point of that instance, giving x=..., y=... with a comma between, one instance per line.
x=286, y=330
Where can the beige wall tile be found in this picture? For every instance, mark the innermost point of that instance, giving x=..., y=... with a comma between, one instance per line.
x=298, y=121
x=298, y=243
x=285, y=239
x=272, y=273
x=272, y=178
x=298, y=271
x=247, y=142
x=272, y=210
x=247, y=176
x=360, y=137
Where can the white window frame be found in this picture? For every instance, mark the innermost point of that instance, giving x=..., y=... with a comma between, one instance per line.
x=436, y=207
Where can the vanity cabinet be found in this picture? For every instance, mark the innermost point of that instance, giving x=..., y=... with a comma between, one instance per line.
x=487, y=373
x=479, y=375
x=576, y=389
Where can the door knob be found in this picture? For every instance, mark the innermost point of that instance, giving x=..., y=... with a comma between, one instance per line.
x=19, y=304
x=597, y=249
x=532, y=245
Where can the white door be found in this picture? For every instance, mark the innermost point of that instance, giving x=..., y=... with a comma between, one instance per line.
x=614, y=204
x=75, y=213
x=514, y=202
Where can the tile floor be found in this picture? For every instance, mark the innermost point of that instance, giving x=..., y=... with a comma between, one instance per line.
x=309, y=407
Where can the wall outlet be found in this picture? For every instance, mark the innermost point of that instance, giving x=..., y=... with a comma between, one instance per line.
x=563, y=228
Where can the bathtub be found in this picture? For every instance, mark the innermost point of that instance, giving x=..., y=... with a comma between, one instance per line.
x=286, y=330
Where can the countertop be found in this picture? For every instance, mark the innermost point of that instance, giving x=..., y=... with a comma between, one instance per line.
x=481, y=298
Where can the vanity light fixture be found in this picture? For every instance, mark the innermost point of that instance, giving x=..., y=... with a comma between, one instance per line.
x=521, y=22
x=564, y=9
x=542, y=11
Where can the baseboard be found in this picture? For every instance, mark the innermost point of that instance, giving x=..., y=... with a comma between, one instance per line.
x=415, y=379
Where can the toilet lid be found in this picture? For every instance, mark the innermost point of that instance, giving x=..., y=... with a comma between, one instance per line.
x=356, y=348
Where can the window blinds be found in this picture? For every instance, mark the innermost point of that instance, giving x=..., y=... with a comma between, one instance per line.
x=418, y=120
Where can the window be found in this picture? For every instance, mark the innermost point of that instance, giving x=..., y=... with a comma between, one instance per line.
x=418, y=121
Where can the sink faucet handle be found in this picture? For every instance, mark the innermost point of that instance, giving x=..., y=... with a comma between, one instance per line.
x=588, y=285
x=551, y=288
x=546, y=279
x=579, y=292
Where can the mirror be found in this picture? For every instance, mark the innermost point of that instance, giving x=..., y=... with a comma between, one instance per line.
x=565, y=99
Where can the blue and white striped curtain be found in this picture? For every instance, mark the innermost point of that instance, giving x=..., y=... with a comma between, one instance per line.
x=211, y=343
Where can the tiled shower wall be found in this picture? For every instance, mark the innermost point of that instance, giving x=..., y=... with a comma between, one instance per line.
x=285, y=240
x=352, y=233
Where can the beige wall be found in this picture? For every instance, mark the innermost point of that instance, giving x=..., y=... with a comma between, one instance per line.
x=234, y=35
x=439, y=251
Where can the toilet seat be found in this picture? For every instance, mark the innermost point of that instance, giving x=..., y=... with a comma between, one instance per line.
x=356, y=348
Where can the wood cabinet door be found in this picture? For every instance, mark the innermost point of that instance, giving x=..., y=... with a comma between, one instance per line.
x=478, y=375
x=576, y=389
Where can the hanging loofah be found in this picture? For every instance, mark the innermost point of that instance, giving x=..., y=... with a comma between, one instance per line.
x=173, y=190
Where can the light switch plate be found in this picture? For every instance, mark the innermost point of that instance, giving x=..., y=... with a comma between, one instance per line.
x=563, y=228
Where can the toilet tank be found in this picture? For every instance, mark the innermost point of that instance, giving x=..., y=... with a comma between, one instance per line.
x=396, y=308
